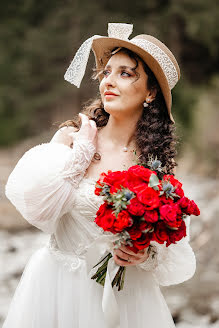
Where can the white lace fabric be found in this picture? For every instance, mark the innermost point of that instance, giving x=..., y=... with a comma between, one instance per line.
x=49, y=189
x=151, y=263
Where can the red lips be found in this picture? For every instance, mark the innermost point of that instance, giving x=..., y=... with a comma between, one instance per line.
x=110, y=93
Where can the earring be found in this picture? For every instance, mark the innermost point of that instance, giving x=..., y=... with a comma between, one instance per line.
x=145, y=104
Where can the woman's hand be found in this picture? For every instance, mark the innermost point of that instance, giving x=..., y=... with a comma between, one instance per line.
x=125, y=257
x=88, y=130
x=63, y=136
x=67, y=134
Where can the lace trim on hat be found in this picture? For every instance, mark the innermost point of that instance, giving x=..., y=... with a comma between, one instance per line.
x=119, y=30
x=162, y=58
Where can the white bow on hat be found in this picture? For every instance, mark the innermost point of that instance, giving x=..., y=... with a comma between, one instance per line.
x=76, y=69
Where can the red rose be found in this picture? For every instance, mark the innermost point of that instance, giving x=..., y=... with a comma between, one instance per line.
x=137, y=175
x=188, y=206
x=183, y=202
x=151, y=216
x=143, y=241
x=176, y=235
x=105, y=217
x=164, y=200
x=134, y=232
x=140, y=172
x=115, y=180
x=122, y=221
x=174, y=182
x=196, y=210
x=178, y=209
x=174, y=224
x=168, y=213
x=149, y=197
x=192, y=208
x=135, y=207
x=179, y=192
x=102, y=210
x=143, y=225
x=177, y=222
x=139, y=187
x=160, y=232
x=133, y=182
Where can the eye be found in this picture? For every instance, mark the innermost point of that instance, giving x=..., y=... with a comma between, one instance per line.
x=126, y=73
x=105, y=72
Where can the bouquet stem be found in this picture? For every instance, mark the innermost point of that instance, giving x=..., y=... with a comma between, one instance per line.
x=100, y=275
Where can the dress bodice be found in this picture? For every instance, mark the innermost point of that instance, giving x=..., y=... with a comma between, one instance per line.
x=76, y=229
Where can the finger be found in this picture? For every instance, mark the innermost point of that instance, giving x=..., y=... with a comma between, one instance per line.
x=63, y=128
x=126, y=257
x=119, y=261
x=127, y=250
x=84, y=119
x=122, y=255
x=93, y=124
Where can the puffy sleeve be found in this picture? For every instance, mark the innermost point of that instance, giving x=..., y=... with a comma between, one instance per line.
x=43, y=183
x=173, y=264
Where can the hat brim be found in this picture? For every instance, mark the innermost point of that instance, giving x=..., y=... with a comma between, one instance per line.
x=102, y=44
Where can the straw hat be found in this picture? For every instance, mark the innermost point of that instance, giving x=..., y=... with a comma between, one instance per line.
x=154, y=53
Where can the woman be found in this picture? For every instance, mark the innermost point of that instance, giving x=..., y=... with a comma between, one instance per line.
x=52, y=186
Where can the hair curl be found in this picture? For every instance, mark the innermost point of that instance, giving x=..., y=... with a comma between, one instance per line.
x=155, y=133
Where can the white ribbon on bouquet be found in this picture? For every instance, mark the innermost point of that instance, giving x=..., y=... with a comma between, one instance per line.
x=98, y=249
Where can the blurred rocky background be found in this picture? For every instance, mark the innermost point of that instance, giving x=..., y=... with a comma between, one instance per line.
x=38, y=41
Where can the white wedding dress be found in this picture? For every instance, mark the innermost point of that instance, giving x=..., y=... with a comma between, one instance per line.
x=48, y=187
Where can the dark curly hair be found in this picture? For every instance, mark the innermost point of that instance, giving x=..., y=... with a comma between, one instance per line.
x=155, y=132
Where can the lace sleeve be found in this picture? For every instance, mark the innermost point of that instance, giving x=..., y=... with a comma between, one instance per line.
x=174, y=264
x=43, y=183
x=151, y=262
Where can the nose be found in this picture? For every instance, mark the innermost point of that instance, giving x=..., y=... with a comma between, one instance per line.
x=110, y=80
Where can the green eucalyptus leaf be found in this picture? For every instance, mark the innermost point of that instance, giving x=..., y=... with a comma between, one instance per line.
x=153, y=181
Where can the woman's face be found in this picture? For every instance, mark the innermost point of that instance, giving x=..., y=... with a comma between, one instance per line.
x=119, y=79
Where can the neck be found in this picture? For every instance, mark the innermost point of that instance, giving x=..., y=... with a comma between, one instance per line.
x=119, y=131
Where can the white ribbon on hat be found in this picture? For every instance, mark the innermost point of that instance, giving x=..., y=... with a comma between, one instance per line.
x=76, y=69
x=100, y=248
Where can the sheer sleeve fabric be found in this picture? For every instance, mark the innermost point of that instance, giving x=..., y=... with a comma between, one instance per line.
x=43, y=183
x=174, y=264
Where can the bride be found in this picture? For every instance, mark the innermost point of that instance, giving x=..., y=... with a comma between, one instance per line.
x=53, y=184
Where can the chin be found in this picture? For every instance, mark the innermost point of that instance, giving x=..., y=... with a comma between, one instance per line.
x=110, y=109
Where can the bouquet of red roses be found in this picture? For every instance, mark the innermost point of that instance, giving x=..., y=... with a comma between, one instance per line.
x=140, y=208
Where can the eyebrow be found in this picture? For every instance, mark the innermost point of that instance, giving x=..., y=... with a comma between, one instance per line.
x=121, y=67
